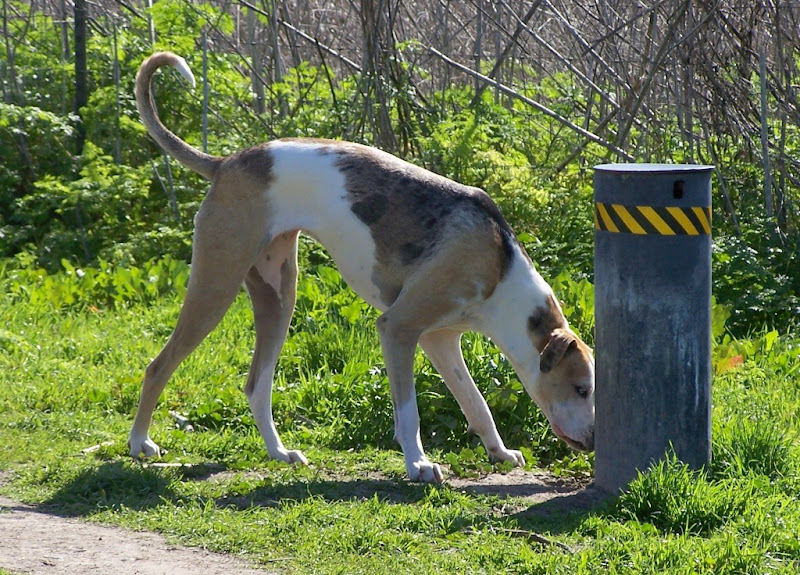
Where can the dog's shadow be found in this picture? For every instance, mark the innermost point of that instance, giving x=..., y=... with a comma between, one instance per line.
x=566, y=513
x=111, y=485
x=562, y=513
x=271, y=494
x=122, y=484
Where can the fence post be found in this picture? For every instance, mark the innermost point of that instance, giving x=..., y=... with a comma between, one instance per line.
x=653, y=318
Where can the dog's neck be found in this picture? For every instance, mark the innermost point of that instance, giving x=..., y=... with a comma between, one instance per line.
x=504, y=316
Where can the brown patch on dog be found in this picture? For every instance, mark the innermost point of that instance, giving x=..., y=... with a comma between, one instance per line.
x=569, y=375
x=257, y=162
x=576, y=363
x=463, y=270
x=548, y=330
x=411, y=211
x=544, y=321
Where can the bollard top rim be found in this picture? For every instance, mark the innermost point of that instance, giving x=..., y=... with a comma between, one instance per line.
x=646, y=168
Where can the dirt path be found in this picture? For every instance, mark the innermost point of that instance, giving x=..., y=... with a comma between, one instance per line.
x=35, y=542
x=38, y=543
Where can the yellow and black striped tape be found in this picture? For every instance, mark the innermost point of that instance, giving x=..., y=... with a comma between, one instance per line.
x=665, y=221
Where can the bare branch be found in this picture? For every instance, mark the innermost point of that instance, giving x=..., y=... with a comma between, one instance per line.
x=536, y=105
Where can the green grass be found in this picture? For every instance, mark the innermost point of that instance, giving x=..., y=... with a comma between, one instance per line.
x=69, y=380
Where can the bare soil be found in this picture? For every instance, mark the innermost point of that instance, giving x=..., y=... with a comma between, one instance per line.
x=39, y=542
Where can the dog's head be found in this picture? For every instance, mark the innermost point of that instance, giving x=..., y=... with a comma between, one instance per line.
x=564, y=389
x=559, y=375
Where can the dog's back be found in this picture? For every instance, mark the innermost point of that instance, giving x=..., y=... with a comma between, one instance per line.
x=399, y=218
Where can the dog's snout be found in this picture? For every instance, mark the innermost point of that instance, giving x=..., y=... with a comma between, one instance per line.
x=588, y=443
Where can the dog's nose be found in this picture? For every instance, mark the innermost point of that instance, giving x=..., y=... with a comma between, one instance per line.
x=588, y=443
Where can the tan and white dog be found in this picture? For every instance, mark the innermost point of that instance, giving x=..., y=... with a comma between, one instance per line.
x=436, y=257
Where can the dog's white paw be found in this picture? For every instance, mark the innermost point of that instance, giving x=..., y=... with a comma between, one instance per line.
x=296, y=456
x=512, y=455
x=146, y=447
x=425, y=471
x=293, y=456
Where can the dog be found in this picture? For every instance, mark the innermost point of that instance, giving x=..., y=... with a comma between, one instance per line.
x=437, y=258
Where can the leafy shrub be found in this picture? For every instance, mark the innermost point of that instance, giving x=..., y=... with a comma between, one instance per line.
x=757, y=277
x=109, y=210
x=33, y=142
x=106, y=285
x=88, y=208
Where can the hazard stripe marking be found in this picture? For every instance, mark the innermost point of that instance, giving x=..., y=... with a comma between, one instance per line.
x=628, y=220
x=683, y=221
x=659, y=224
x=608, y=223
x=704, y=217
x=653, y=220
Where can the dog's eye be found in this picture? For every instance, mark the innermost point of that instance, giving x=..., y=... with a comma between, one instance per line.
x=582, y=392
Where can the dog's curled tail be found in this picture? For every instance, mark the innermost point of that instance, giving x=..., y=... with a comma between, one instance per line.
x=204, y=164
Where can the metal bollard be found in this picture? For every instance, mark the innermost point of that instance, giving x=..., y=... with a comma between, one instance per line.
x=652, y=265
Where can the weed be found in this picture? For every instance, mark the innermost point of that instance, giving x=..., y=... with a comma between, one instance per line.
x=757, y=447
x=673, y=498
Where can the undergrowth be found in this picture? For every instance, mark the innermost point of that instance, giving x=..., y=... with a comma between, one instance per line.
x=74, y=345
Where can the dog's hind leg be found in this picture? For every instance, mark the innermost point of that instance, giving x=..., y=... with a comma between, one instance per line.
x=222, y=252
x=272, y=285
x=208, y=296
x=443, y=348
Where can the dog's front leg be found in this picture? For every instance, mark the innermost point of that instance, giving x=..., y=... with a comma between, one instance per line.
x=399, y=343
x=443, y=348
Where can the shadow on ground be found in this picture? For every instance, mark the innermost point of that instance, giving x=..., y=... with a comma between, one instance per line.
x=111, y=485
x=536, y=497
x=385, y=489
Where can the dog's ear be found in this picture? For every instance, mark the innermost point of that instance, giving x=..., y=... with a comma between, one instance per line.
x=558, y=345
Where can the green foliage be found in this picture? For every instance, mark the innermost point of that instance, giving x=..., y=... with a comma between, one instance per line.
x=577, y=303
x=308, y=103
x=92, y=287
x=115, y=201
x=757, y=276
x=730, y=353
x=759, y=447
x=44, y=77
x=33, y=142
x=331, y=387
x=94, y=271
x=70, y=376
x=675, y=499
x=103, y=213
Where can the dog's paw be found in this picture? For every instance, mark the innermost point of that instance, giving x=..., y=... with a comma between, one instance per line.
x=293, y=456
x=512, y=455
x=296, y=456
x=145, y=448
x=516, y=459
x=425, y=471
